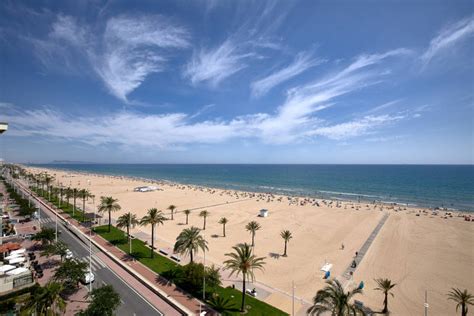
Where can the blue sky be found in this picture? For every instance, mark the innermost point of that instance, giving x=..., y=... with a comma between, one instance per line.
x=237, y=81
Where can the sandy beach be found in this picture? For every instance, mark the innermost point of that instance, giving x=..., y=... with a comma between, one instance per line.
x=420, y=253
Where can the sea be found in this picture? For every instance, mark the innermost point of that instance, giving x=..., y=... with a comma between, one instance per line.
x=442, y=186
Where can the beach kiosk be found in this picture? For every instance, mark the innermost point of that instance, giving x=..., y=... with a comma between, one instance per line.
x=263, y=212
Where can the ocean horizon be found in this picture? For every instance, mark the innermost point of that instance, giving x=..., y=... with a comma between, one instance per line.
x=450, y=186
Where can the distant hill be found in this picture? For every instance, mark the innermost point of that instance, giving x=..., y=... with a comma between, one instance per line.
x=56, y=162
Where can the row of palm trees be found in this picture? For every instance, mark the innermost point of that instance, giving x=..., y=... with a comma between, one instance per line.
x=44, y=182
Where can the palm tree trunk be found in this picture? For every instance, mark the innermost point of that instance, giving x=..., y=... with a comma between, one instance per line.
x=385, y=303
x=186, y=219
x=83, y=208
x=253, y=239
x=172, y=218
x=223, y=228
x=152, y=240
x=284, y=253
x=191, y=256
x=463, y=309
x=204, y=227
x=110, y=220
x=128, y=231
x=243, y=294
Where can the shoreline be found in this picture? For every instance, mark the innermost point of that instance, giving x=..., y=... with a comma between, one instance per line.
x=276, y=192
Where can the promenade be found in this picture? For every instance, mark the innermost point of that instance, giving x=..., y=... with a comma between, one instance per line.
x=171, y=300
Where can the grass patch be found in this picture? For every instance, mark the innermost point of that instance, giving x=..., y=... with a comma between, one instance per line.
x=65, y=206
x=163, y=266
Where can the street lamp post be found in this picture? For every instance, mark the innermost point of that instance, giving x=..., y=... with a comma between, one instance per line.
x=204, y=274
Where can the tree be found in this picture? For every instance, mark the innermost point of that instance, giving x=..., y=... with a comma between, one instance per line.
x=286, y=235
x=223, y=305
x=252, y=227
x=462, y=298
x=84, y=194
x=74, y=197
x=58, y=248
x=193, y=275
x=105, y=300
x=46, y=300
x=204, y=214
x=189, y=241
x=109, y=204
x=385, y=285
x=127, y=220
x=187, y=212
x=153, y=218
x=223, y=221
x=334, y=300
x=242, y=261
x=172, y=208
x=46, y=236
x=68, y=195
x=70, y=272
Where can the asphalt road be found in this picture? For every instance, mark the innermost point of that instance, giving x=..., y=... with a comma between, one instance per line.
x=132, y=302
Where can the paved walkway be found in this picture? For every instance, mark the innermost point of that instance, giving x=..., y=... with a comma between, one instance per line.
x=363, y=250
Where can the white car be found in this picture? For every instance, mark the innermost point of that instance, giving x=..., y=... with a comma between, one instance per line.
x=88, y=277
x=69, y=254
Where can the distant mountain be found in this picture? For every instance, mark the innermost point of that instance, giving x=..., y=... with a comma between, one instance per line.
x=69, y=162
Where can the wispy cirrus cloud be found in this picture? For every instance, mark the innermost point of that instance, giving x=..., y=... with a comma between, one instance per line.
x=302, y=62
x=354, y=128
x=134, y=48
x=295, y=120
x=129, y=49
x=216, y=64
x=448, y=37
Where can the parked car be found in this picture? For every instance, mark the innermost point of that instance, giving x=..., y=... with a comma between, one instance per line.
x=88, y=278
x=69, y=254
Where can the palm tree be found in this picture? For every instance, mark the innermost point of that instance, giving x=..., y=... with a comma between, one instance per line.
x=334, y=300
x=385, y=285
x=242, y=261
x=204, y=214
x=68, y=195
x=462, y=298
x=127, y=220
x=172, y=208
x=84, y=194
x=252, y=227
x=189, y=241
x=223, y=221
x=286, y=235
x=108, y=204
x=153, y=218
x=74, y=197
x=187, y=212
x=47, y=300
x=223, y=305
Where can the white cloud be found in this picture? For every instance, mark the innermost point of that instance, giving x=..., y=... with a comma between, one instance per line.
x=384, y=106
x=448, y=37
x=354, y=128
x=295, y=120
x=130, y=48
x=215, y=65
x=301, y=63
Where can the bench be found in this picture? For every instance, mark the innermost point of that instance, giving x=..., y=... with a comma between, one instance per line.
x=163, y=251
x=175, y=257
